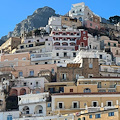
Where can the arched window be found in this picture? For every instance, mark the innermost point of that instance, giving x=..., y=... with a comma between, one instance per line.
x=38, y=109
x=87, y=90
x=26, y=110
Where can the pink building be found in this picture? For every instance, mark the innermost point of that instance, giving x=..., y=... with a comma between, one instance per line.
x=91, y=24
x=33, y=70
x=16, y=56
x=16, y=91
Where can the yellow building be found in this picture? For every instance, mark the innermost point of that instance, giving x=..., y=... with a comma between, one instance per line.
x=68, y=21
x=89, y=92
x=101, y=114
x=10, y=44
x=57, y=87
x=90, y=85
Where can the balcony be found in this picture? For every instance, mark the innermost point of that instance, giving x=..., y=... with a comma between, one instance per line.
x=41, y=58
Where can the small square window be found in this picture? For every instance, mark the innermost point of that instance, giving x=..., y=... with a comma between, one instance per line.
x=71, y=90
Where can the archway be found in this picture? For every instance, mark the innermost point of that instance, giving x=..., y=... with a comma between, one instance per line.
x=14, y=92
x=22, y=91
x=38, y=109
x=26, y=110
x=87, y=90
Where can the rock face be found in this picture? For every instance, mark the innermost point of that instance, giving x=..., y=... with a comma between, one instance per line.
x=38, y=19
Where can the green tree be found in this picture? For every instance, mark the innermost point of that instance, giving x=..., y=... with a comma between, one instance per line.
x=114, y=19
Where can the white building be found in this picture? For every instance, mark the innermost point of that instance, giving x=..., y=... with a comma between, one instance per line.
x=110, y=70
x=32, y=104
x=34, y=47
x=65, y=39
x=104, y=58
x=32, y=83
x=54, y=57
x=39, y=38
x=80, y=11
x=93, y=42
x=9, y=115
x=55, y=22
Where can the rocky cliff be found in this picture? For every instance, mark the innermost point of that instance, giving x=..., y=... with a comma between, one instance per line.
x=38, y=19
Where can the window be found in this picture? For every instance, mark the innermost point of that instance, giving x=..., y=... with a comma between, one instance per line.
x=36, y=84
x=74, y=54
x=87, y=90
x=66, y=19
x=64, y=76
x=21, y=47
x=98, y=116
x=30, y=45
x=83, y=118
x=52, y=71
x=90, y=24
x=21, y=74
x=40, y=111
x=61, y=89
x=72, y=34
x=109, y=103
x=60, y=105
x=111, y=114
x=65, y=54
x=36, y=63
x=71, y=90
x=46, y=63
x=100, y=56
x=108, y=43
x=90, y=116
x=80, y=18
x=75, y=104
x=54, y=61
x=73, y=11
x=57, y=54
x=114, y=44
x=82, y=44
x=9, y=117
x=25, y=84
x=94, y=103
x=48, y=44
x=64, y=34
x=31, y=73
x=49, y=105
x=90, y=65
x=24, y=58
x=37, y=40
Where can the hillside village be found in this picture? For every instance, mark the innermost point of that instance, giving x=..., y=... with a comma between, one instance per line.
x=68, y=70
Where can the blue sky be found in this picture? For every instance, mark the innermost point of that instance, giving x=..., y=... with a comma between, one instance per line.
x=14, y=11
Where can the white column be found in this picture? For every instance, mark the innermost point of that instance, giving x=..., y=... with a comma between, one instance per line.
x=117, y=102
x=102, y=104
